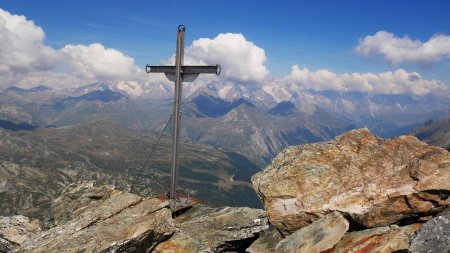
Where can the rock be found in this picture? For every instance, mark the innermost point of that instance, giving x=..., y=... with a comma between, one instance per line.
x=319, y=236
x=116, y=222
x=371, y=181
x=205, y=229
x=266, y=242
x=377, y=240
x=434, y=236
x=15, y=230
x=77, y=197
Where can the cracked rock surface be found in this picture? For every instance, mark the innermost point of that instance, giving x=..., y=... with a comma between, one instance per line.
x=377, y=240
x=111, y=221
x=266, y=242
x=371, y=181
x=318, y=237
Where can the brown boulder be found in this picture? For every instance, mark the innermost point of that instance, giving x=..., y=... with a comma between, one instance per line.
x=374, y=182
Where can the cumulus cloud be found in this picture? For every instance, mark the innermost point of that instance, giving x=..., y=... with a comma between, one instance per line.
x=95, y=62
x=399, y=50
x=21, y=47
x=389, y=82
x=26, y=61
x=239, y=58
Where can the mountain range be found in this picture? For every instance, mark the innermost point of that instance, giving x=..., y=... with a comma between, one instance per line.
x=256, y=122
x=253, y=130
x=385, y=114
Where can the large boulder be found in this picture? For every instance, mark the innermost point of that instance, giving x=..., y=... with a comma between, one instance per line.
x=206, y=229
x=112, y=222
x=373, y=182
x=434, y=236
x=16, y=230
x=319, y=236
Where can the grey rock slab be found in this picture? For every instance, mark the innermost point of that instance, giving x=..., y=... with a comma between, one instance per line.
x=434, y=236
x=319, y=236
x=266, y=242
x=205, y=229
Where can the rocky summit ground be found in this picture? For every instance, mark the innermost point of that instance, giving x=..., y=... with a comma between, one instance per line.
x=101, y=219
x=357, y=193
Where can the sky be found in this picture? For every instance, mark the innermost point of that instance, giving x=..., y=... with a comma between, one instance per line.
x=325, y=44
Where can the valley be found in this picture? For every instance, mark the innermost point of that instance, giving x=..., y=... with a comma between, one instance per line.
x=37, y=165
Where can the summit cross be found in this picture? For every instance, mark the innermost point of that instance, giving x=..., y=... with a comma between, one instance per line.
x=179, y=74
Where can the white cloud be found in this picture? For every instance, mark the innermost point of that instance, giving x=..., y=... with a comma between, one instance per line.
x=399, y=50
x=26, y=61
x=49, y=78
x=396, y=82
x=21, y=48
x=97, y=63
x=239, y=58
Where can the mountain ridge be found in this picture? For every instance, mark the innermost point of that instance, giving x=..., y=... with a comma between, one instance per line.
x=435, y=133
x=318, y=115
x=258, y=134
x=283, y=108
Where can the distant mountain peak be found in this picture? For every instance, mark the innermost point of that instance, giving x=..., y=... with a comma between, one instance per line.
x=204, y=97
x=16, y=89
x=104, y=95
x=39, y=88
x=241, y=101
x=283, y=108
x=211, y=106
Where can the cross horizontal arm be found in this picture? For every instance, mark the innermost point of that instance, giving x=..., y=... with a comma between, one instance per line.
x=184, y=69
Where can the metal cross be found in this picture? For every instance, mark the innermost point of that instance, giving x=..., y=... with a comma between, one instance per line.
x=179, y=74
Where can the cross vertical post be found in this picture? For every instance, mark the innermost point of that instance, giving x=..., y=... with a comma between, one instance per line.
x=176, y=112
x=178, y=74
